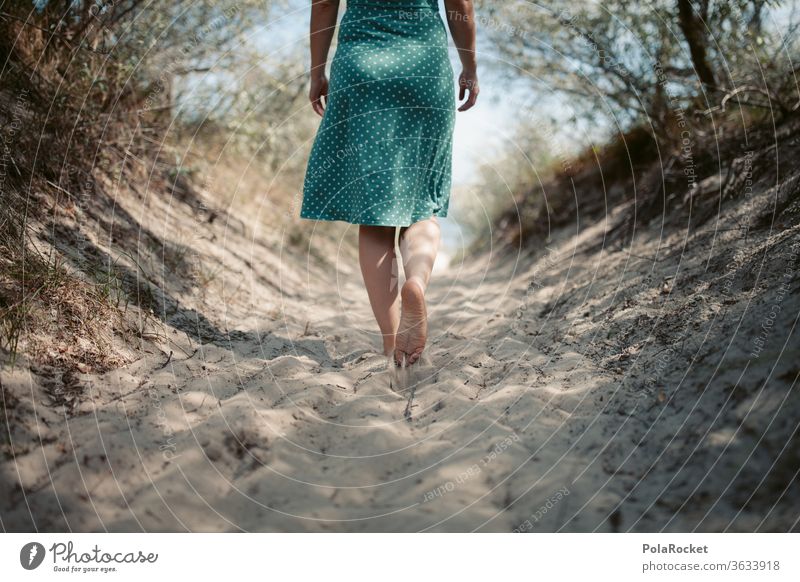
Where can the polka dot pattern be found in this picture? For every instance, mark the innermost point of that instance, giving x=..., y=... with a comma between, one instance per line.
x=383, y=152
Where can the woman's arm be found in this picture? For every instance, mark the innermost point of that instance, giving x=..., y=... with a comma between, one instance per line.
x=461, y=20
x=323, y=25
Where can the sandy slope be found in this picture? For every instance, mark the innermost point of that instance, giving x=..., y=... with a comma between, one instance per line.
x=573, y=389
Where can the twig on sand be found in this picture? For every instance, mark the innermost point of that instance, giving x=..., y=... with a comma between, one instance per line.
x=198, y=407
x=398, y=383
x=177, y=345
x=169, y=357
x=360, y=381
x=401, y=378
x=409, y=405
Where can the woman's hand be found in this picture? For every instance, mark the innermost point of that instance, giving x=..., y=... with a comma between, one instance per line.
x=319, y=93
x=323, y=24
x=461, y=20
x=468, y=82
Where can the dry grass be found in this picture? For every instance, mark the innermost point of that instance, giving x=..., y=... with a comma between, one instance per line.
x=645, y=173
x=59, y=312
x=56, y=317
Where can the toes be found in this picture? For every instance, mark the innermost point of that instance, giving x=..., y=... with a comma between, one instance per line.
x=414, y=356
x=404, y=359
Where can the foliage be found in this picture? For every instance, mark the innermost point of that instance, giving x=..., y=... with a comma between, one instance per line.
x=96, y=92
x=634, y=62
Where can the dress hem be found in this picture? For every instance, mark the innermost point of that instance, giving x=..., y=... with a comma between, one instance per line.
x=350, y=221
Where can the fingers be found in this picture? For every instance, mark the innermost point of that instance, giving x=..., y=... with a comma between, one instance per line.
x=318, y=106
x=473, y=97
x=319, y=97
x=468, y=85
x=470, y=103
x=318, y=102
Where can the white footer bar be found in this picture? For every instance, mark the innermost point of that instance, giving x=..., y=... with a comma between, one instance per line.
x=406, y=557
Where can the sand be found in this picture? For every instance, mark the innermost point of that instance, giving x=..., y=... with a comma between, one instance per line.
x=571, y=388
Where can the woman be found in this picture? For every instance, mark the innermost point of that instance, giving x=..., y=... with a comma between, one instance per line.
x=382, y=155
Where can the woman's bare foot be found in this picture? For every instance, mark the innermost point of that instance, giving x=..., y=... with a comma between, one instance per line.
x=413, y=331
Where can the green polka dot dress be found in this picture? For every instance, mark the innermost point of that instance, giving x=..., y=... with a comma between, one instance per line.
x=383, y=152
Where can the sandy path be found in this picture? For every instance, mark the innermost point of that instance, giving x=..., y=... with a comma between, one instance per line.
x=556, y=398
x=272, y=434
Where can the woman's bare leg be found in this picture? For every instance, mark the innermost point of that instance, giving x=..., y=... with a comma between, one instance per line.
x=376, y=255
x=419, y=244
